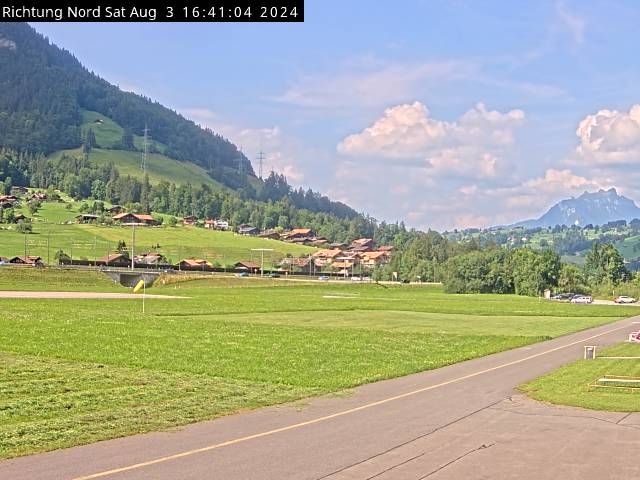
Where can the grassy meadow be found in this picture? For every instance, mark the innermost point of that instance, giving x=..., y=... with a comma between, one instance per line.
x=77, y=371
x=573, y=383
x=52, y=232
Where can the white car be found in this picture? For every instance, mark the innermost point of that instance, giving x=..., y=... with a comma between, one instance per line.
x=624, y=299
x=582, y=299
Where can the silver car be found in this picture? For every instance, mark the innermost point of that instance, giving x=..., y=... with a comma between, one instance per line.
x=582, y=299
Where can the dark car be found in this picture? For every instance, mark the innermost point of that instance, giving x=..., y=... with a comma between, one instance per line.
x=274, y=275
x=563, y=297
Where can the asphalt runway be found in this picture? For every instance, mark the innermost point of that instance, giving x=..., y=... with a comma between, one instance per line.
x=464, y=421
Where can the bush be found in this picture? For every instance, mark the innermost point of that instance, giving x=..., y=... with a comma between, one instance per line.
x=24, y=227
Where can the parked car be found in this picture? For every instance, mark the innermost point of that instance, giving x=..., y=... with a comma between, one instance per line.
x=356, y=279
x=274, y=275
x=323, y=278
x=582, y=299
x=242, y=274
x=624, y=299
x=563, y=297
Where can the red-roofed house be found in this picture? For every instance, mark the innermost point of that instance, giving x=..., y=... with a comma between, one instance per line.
x=373, y=259
x=32, y=260
x=194, y=264
x=114, y=260
x=134, y=218
x=362, y=245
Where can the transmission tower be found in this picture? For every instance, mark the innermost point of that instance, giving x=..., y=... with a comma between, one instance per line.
x=240, y=163
x=145, y=149
x=261, y=158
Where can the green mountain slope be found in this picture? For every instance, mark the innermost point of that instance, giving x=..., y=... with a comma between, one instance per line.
x=159, y=167
x=45, y=91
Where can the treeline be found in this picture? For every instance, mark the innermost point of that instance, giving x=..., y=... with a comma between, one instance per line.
x=524, y=271
x=82, y=179
x=475, y=267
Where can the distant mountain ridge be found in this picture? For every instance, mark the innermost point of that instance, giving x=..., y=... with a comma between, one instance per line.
x=596, y=208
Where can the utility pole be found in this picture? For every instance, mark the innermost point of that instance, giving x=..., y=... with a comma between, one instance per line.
x=145, y=149
x=133, y=244
x=262, y=250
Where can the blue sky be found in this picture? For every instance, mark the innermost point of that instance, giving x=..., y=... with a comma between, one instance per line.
x=444, y=114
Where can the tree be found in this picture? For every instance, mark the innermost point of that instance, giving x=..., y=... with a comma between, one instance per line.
x=605, y=264
x=122, y=249
x=532, y=271
x=24, y=227
x=61, y=257
x=34, y=205
x=89, y=142
x=572, y=279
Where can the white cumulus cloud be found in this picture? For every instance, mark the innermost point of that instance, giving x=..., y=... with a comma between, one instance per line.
x=470, y=146
x=610, y=137
x=280, y=152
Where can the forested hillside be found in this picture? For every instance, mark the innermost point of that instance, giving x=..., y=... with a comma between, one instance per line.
x=44, y=89
x=50, y=103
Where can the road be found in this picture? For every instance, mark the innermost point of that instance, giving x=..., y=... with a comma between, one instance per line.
x=464, y=421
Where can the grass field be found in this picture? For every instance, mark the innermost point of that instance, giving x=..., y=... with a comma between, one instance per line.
x=109, y=134
x=572, y=384
x=50, y=233
x=159, y=167
x=75, y=371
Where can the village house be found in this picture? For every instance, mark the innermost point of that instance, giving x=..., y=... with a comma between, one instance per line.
x=319, y=241
x=194, y=264
x=31, y=260
x=151, y=259
x=326, y=256
x=271, y=233
x=299, y=264
x=374, y=259
x=189, y=220
x=114, y=210
x=247, y=266
x=221, y=225
x=40, y=196
x=114, y=260
x=298, y=234
x=362, y=245
x=134, y=219
x=86, y=218
x=343, y=267
x=210, y=223
x=386, y=248
x=18, y=190
x=248, y=230
x=8, y=201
